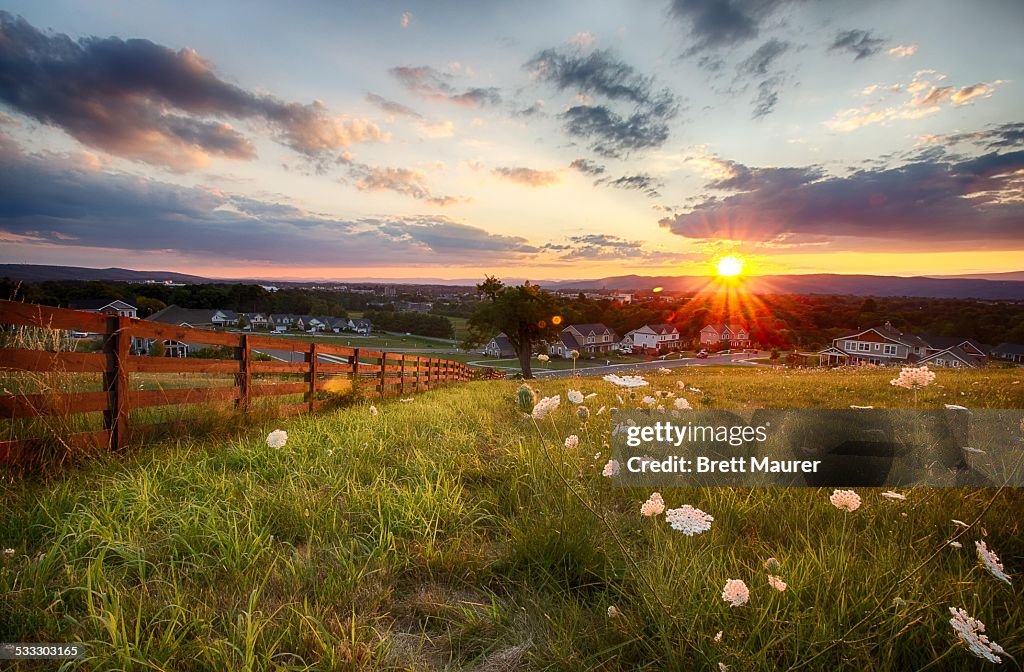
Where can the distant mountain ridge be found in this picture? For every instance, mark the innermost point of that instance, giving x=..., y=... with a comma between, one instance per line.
x=1009, y=287
x=819, y=283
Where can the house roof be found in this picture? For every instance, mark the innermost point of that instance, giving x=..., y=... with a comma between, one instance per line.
x=943, y=342
x=1009, y=349
x=955, y=351
x=99, y=304
x=595, y=328
x=892, y=333
x=661, y=328
x=361, y=322
x=174, y=314
x=504, y=346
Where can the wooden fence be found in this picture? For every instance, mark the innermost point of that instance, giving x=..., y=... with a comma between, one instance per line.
x=379, y=373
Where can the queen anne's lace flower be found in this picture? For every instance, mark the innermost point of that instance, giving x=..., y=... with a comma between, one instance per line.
x=625, y=381
x=683, y=405
x=653, y=506
x=373, y=410
x=688, y=520
x=664, y=371
x=991, y=562
x=543, y=358
x=545, y=406
x=611, y=469
x=736, y=593
x=613, y=612
x=649, y=401
x=776, y=582
x=575, y=396
x=971, y=632
x=277, y=438
x=718, y=636
x=913, y=377
x=847, y=500
x=772, y=565
x=572, y=441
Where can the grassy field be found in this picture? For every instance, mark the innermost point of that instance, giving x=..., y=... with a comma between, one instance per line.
x=453, y=532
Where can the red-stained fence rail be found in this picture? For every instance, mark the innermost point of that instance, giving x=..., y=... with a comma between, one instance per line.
x=373, y=371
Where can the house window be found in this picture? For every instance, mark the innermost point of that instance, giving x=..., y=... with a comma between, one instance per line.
x=863, y=347
x=889, y=349
x=605, y=337
x=956, y=363
x=590, y=339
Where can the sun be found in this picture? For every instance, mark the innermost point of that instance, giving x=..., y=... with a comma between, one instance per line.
x=729, y=267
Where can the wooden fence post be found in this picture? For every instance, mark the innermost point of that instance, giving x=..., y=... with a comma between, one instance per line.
x=245, y=375
x=401, y=374
x=355, y=370
x=115, y=380
x=430, y=367
x=313, y=357
x=383, y=367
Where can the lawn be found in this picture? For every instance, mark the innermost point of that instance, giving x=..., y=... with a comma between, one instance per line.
x=452, y=532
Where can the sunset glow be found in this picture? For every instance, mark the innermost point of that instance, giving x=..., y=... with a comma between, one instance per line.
x=729, y=267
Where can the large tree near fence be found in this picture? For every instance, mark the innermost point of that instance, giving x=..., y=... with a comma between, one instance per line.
x=525, y=313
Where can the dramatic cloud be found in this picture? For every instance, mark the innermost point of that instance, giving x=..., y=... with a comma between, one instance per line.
x=399, y=180
x=859, y=42
x=587, y=167
x=641, y=182
x=921, y=205
x=603, y=247
x=722, y=23
x=434, y=85
x=146, y=102
x=601, y=74
x=49, y=200
x=926, y=97
x=1002, y=136
x=528, y=176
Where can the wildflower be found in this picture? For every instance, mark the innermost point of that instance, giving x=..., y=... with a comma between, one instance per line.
x=971, y=632
x=8, y=552
x=722, y=667
x=889, y=494
x=772, y=565
x=663, y=371
x=718, y=636
x=277, y=438
x=613, y=612
x=956, y=544
x=574, y=354
x=736, y=593
x=688, y=520
x=649, y=401
x=612, y=469
x=572, y=441
x=683, y=405
x=990, y=561
x=913, y=377
x=625, y=381
x=653, y=506
x=597, y=456
x=545, y=406
x=526, y=398
x=681, y=385
x=776, y=582
x=695, y=390
x=583, y=413
x=575, y=396
x=543, y=358
x=373, y=411
x=847, y=500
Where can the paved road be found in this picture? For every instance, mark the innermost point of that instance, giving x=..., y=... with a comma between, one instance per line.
x=713, y=360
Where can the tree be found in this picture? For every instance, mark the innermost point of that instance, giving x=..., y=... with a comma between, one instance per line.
x=147, y=306
x=157, y=349
x=525, y=314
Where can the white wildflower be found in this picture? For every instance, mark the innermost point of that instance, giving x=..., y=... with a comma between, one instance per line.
x=649, y=401
x=718, y=636
x=913, y=377
x=8, y=552
x=889, y=494
x=572, y=441
x=683, y=405
x=776, y=582
x=625, y=381
x=681, y=385
x=688, y=520
x=575, y=396
x=653, y=506
x=543, y=358
x=612, y=469
x=613, y=612
x=277, y=438
x=971, y=632
x=574, y=354
x=545, y=406
x=695, y=390
x=847, y=500
x=373, y=411
x=736, y=593
x=991, y=562
x=664, y=371
x=722, y=667
x=956, y=544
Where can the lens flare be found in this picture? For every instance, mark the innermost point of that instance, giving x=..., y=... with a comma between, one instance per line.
x=729, y=267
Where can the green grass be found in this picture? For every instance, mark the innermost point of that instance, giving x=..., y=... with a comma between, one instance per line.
x=451, y=532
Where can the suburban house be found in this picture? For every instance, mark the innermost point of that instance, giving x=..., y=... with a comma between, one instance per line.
x=499, y=346
x=585, y=338
x=255, y=320
x=1009, y=352
x=279, y=322
x=888, y=345
x=200, y=318
x=725, y=335
x=361, y=325
x=114, y=307
x=653, y=338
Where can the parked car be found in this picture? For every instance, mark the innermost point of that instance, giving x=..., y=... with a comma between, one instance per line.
x=703, y=354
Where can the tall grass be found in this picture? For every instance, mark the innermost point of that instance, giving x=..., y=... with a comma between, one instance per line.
x=450, y=533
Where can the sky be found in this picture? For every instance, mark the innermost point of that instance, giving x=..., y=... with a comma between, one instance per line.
x=540, y=140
